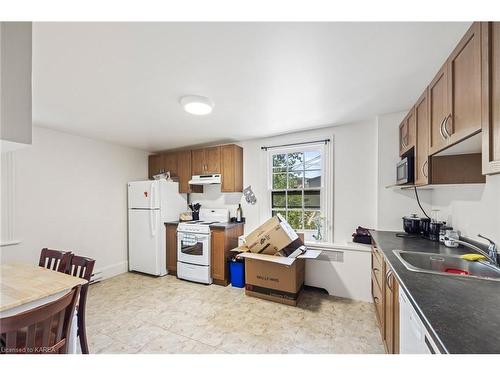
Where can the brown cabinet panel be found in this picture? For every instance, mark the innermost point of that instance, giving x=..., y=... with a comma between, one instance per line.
x=171, y=248
x=403, y=137
x=170, y=163
x=212, y=163
x=218, y=262
x=155, y=165
x=490, y=39
x=464, y=87
x=232, y=168
x=389, y=312
x=184, y=173
x=198, y=162
x=422, y=144
x=378, y=301
x=438, y=110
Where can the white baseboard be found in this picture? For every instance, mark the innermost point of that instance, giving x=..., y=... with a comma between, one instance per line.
x=110, y=271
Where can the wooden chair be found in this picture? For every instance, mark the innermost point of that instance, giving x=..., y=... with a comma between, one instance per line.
x=82, y=267
x=55, y=260
x=42, y=330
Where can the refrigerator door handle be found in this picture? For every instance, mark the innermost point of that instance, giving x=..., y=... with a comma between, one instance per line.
x=151, y=210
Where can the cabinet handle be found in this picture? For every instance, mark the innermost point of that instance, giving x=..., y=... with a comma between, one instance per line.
x=445, y=129
x=376, y=299
x=441, y=128
x=424, y=168
x=376, y=270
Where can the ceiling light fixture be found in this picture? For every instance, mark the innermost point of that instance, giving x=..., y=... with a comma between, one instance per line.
x=197, y=105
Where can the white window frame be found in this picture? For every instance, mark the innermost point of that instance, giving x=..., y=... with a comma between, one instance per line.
x=326, y=197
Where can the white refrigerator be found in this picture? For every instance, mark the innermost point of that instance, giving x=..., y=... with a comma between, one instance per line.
x=150, y=205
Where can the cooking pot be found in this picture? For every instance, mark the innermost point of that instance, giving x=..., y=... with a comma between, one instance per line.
x=411, y=224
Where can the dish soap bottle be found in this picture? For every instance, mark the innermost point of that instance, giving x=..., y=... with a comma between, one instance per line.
x=239, y=213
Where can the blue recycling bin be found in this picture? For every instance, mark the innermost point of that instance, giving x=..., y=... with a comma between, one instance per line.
x=237, y=272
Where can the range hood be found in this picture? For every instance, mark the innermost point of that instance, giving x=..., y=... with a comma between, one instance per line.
x=205, y=179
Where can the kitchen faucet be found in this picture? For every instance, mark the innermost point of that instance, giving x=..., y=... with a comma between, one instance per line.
x=491, y=255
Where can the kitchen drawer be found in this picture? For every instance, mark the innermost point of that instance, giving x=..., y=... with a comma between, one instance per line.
x=377, y=269
x=378, y=301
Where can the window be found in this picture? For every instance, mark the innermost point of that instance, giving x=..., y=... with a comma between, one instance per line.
x=297, y=181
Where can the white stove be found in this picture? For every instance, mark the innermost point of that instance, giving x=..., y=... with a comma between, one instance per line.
x=193, y=245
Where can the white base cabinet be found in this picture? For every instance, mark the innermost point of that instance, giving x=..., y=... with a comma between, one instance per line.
x=414, y=338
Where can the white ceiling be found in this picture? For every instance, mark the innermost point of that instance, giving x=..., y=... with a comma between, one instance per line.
x=121, y=82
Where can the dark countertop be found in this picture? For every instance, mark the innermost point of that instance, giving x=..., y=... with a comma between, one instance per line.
x=217, y=225
x=462, y=314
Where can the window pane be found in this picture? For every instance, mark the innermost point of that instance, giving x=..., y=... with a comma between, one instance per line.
x=312, y=160
x=279, y=199
x=312, y=179
x=311, y=219
x=295, y=161
x=295, y=219
x=279, y=180
x=281, y=212
x=295, y=199
x=279, y=161
x=312, y=199
x=295, y=180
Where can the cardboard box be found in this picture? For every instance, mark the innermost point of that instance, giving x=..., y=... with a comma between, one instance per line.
x=275, y=277
x=274, y=281
x=270, y=237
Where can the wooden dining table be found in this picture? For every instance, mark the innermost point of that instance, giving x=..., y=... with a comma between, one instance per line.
x=26, y=286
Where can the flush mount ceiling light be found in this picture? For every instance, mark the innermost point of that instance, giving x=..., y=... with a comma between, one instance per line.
x=197, y=105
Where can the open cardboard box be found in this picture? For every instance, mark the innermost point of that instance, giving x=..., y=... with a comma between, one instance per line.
x=273, y=277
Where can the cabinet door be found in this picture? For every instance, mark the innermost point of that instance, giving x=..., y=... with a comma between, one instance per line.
x=464, y=87
x=231, y=168
x=171, y=249
x=184, y=173
x=403, y=136
x=490, y=36
x=198, y=162
x=422, y=146
x=212, y=163
x=155, y=165
x=438, y=110
x=170, y=163
x=407, y=133
x=218, y=262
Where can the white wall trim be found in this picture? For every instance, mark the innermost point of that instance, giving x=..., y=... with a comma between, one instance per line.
x=111, y=270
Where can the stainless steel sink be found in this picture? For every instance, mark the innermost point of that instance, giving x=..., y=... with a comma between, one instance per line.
x=441, y=264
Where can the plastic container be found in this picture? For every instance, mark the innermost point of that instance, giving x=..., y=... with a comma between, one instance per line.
x=237, y=272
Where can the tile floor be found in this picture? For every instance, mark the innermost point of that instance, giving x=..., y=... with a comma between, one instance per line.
x=134, y=313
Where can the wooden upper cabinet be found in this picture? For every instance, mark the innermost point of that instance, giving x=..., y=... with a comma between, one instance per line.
x=407, y=133
x=170, y=163
x=184, y=173
x=422, y=144
x=212, y=162
x=198, y=161
x=206, y=160
x=490, y=36
x=438, y=110
x=155, y=165
x=464, y=87
x=231, y=168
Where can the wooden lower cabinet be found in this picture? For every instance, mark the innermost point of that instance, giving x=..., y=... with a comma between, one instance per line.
x=171, y=242
x=385, y=292
x=223, y=240
x=391, y=313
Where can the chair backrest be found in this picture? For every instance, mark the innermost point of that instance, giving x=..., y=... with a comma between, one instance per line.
x=42, y=330
x=55, y=260
x=81, y=267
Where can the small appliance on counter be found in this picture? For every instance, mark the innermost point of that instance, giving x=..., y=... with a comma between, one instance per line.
x=411, y=224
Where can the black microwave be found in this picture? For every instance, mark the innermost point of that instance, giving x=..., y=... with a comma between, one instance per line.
x=405, y=171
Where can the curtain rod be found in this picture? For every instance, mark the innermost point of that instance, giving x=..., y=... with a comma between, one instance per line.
x=325, y=141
